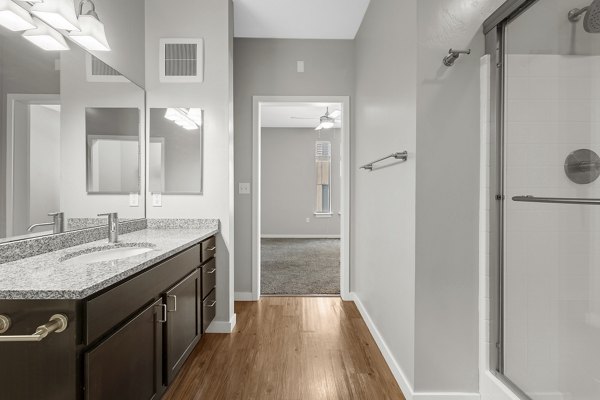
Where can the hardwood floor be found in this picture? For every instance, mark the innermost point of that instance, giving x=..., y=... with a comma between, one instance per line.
x=288, y=348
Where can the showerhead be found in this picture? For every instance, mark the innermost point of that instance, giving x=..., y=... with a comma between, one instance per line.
x=591, y=21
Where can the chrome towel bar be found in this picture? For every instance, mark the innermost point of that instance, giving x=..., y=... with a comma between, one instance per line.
x=556, y=200
x=58, y=323
x=398, y=156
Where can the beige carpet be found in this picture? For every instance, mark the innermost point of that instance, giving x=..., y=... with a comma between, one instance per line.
x=300, y=266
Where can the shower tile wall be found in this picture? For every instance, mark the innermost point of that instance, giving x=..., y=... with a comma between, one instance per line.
x=552, y=279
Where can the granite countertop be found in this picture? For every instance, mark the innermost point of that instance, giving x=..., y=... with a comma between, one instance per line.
x=46, y=277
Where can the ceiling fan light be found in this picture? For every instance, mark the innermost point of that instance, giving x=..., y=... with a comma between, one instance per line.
x=46, y=38
x=60, y=14
x=335, y=114
x=13, y=17
x=327, y=124
x=92, y=35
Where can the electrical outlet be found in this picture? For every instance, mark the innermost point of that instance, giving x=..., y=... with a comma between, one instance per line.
x=134, y=200
x=307, y=220
x=156, y=200
x=300, y=66
x=244, y=188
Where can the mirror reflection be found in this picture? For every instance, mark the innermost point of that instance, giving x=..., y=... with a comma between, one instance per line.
x=113, y=150
x=67, y=121
x=175, y=151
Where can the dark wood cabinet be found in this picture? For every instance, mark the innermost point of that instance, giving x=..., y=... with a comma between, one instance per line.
x=128, y=341
x=208, y=270
x=209, y=277
x=127, y=365
x=209, y=309
x=183, y=327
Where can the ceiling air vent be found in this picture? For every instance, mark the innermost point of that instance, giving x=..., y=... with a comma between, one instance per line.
x=181, y=60
x=99, y=71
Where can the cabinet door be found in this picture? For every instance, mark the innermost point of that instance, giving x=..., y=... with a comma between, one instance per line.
x=183, y=322
x=127, y=365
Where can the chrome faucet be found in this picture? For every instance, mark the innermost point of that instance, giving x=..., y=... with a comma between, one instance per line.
x=113, y=226
x=58, y=223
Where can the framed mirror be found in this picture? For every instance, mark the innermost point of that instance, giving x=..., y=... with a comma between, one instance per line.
x=175, y=150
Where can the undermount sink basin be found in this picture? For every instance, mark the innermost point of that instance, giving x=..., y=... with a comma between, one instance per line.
x=108, y=253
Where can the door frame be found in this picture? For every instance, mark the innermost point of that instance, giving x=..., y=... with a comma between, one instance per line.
x=257, y=103
x=11, y=99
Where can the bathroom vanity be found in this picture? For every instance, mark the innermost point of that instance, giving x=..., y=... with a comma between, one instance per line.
x=132, y=322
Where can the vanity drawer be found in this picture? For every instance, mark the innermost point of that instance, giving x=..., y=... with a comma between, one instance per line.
x=209, y=309
x=209, y=277
x=209, y=248
x=110, y=308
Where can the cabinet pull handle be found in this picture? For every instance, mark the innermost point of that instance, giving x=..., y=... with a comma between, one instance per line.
x=163, y=307
x=212, y=271
x=212, y=248
x=58, y=323
x=212, y=304
x=172, y=296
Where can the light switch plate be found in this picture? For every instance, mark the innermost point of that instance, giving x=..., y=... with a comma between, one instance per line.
x=156, y=200
x=300, y=66
x=244, y=188
x=134, y=200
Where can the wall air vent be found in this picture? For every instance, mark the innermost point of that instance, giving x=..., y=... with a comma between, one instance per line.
x=99, y=71
x=181, y=60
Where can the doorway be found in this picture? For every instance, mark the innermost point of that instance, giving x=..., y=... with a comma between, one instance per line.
x=301, y=168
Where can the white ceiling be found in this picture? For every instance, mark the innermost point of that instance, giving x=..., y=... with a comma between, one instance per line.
x=299, y=19
x=279, y=115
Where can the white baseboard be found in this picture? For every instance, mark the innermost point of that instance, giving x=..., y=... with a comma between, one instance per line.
x=401, y=378
x=244, y=296
x=403, y=382
x=222, y=326
x=445, y=396
x=316, y=236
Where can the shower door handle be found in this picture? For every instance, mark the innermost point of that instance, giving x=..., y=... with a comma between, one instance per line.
x=556, y=200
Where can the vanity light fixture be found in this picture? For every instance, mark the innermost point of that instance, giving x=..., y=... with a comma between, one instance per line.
x=14, y=17
x=92, y=35
x=46, y=38
x=190, y=119
x=60, y=14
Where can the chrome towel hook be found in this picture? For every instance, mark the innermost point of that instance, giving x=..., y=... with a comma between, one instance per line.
x=453, y=56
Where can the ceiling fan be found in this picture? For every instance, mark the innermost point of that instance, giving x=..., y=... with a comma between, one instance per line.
x=326, y=121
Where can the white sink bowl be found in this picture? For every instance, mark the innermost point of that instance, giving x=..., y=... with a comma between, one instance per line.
x=101, y=254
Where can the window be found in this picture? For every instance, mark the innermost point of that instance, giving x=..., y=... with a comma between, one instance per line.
x=323, y=168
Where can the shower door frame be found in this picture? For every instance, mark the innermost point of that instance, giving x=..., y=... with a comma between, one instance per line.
x=494, y=29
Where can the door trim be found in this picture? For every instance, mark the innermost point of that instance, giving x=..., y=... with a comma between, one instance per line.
x=257, y=103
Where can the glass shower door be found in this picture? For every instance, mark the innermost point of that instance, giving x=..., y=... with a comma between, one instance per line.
x=551, y=279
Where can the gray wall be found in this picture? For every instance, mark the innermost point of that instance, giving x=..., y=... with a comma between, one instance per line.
x=382, y=248
x=208, y=19
x=447, y=211
x=267, y=67
x=414, y=236
x=288, y=182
